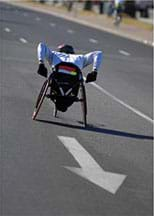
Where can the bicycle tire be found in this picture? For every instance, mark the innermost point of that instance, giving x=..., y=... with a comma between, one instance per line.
x=40, y=99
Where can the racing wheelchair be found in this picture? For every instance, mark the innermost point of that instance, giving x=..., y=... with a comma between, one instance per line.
x=64, y=86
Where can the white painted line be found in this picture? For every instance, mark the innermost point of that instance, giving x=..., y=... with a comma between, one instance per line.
x=145, y=41
x=37, y=18
x=23, y=40
x=90, y=169
x=7, y=30
x=23, y=60
x=52, y=24
x=25, y=14
x=93, y=40
x=123, y=103
x=70, y=31
x=124, y=53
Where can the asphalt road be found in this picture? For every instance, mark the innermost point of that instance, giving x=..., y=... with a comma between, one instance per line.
x=36, y=156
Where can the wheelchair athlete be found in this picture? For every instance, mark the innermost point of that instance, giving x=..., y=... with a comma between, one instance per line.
x=66, y=54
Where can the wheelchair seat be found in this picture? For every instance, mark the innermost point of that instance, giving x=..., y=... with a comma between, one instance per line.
x=65, y=85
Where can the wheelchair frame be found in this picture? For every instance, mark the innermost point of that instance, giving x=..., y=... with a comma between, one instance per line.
x=46, y=91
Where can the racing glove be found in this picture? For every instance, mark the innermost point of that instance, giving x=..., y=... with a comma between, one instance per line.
x=42, y=70
x=91, y=77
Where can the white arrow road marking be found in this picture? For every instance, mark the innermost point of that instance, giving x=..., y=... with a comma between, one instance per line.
x=90, y=169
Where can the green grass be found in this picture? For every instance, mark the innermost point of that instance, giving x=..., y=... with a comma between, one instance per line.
x=130, y=21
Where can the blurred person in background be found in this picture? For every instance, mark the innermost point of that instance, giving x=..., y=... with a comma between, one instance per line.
x=118, y=6
x=110, y=10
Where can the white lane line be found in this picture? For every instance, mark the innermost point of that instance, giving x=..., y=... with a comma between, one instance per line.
x=23, y=40
x=124, y=53
x=52, y=24
x=145, y=41
x=93, y=40
x=70, y=31
x=10, y=58
x=90, y=169
x=7, y=30
x=25, y=14
x=123, y=103
x=37, y=18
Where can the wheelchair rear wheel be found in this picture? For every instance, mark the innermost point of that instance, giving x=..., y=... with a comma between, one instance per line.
x=83, y=104
x=55, y=111
x=40, y=99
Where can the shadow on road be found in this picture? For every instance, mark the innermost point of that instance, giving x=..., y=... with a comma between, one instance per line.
x=93, y=128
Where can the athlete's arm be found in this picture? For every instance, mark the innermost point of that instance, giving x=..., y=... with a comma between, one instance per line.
x=44, y=53
x=94, y=58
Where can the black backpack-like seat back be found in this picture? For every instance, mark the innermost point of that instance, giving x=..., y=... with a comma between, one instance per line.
x=65, y=84
x=66, y=76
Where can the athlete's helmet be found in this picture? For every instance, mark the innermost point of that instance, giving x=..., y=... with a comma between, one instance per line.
x=65, y=48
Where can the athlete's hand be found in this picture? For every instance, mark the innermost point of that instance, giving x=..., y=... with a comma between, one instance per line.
x=91, y=77
x=42, y=70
